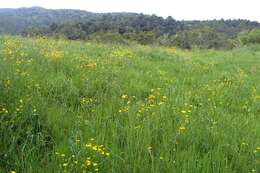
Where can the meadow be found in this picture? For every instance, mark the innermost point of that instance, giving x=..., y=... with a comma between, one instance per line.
x=74, y=106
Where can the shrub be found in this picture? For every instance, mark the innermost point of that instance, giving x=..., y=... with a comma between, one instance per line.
x=251, y=37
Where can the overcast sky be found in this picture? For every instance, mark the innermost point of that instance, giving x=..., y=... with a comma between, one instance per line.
x=178, y=9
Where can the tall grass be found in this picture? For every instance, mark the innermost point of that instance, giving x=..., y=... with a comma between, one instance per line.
x=83, y=107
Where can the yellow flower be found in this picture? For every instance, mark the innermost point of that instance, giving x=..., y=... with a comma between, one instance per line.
x=92, y=65
x=56, y=55
x=160, y=103
x=182, y=128
x=88, y=162
x=151, y=97
x=88, y=145
x=94, y=148
x=12, y=171
x=124, y=96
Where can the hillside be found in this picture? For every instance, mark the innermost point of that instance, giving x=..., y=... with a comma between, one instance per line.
x=17, y=21
x=74, y=106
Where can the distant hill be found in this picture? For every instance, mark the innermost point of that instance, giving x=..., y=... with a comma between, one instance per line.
x=16, y=21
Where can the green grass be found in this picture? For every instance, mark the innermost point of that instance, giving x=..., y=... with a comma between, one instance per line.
x=82, y=107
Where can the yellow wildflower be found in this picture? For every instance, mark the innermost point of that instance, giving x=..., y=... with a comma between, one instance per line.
x=182, y=128
x=56, y=55
x=124, y=96
x=88, y=162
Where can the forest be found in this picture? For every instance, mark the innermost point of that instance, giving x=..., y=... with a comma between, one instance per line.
x=127, y=28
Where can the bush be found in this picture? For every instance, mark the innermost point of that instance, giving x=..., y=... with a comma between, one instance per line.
x=203, y=38
x=145, y=38
x=182, y=40
x=251, y=37
x=71, y=32
x=109, y=37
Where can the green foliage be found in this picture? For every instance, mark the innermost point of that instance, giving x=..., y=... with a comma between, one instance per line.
x=230, y=28
x=127, y=28
x=145, y=38
x=204, y=38
x=182, y=40
x=71, y=32
x=74, y=106
x=17, y=21
x=251, y=37
x=109, y=38
x=75, y=24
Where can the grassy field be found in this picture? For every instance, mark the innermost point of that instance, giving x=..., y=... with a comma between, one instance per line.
x=83, y=107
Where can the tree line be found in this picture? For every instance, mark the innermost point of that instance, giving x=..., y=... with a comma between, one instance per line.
x=125, y=28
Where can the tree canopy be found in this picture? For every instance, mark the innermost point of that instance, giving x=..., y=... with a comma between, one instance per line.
x=144, y=29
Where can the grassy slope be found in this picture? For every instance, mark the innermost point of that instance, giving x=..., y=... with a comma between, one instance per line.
x=154, y=109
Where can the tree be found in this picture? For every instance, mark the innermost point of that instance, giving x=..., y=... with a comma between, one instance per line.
x=146, y=37
x=71, y=32
x=182, y=40
x=251, y=37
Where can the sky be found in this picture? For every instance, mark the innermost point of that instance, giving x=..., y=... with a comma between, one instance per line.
x=178, y=9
